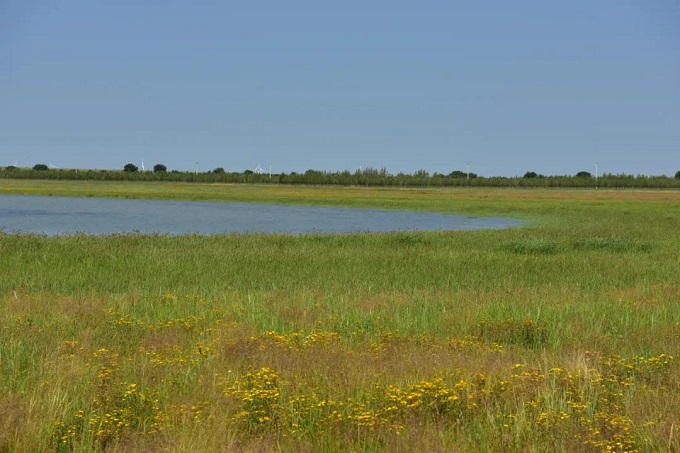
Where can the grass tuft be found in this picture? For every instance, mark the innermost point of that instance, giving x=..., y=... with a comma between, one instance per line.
x=526, y=333
x=611, y=244
x=532, y=247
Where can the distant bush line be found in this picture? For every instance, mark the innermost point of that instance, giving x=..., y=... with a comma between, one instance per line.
x=365, y=177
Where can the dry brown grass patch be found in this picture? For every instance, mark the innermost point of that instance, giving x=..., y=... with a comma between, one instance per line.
x=14, y=420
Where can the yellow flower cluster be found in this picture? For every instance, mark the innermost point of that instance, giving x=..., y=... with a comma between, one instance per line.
x=193, y=412
x=68, y=349
x=113, y=409
x=266, y=402
x=110, y=415
x=259, y=394
x=471, y=343
x=587, y=405
x=296, y=340
x=189, y=323
x=628, y=370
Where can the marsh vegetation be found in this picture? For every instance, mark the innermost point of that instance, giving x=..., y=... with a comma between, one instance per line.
x=562, y=335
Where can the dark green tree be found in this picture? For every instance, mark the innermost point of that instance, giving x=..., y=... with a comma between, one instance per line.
x=218, y=171
x=677, y=174
x=40, y=167
x=130, y=168
x=584, y=174
x=160, y=168
x=530, y=174
x=462, y=174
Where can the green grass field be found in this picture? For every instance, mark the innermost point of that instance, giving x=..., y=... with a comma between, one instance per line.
x=562, y=335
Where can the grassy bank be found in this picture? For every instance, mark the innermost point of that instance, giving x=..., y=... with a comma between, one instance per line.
x=558, y=336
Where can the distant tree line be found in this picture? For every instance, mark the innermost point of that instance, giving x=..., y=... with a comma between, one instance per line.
x=363, y=177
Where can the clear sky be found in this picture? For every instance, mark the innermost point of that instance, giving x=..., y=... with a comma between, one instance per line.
x=504, y=86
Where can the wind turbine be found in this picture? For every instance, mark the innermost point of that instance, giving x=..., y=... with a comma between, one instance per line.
x=143, y=165
x=258, y=169
x=53, y=166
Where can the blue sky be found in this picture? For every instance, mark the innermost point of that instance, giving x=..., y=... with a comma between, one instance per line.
x=506, y=87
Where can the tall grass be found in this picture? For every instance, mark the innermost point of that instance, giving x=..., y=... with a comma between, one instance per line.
x=557, y=336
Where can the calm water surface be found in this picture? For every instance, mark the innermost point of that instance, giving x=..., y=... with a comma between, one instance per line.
x=70, y=215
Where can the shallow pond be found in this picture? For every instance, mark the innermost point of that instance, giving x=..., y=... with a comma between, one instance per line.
x=71, y=215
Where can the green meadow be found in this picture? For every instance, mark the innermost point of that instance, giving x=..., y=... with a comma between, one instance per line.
x=561, y=335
